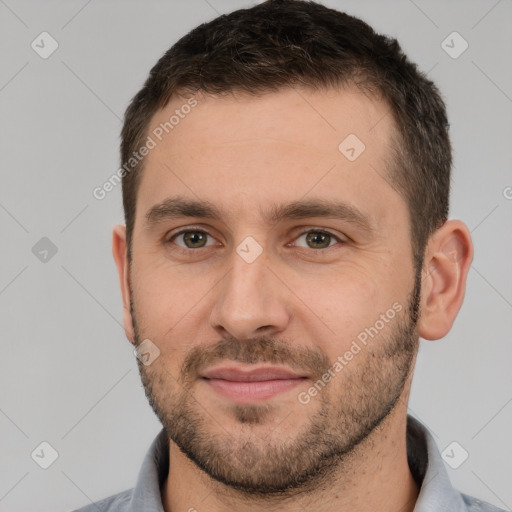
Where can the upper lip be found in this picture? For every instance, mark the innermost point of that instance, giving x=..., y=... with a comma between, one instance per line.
x=257, y=374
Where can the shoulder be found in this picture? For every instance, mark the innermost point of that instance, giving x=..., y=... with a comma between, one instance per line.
x=476, y=505
x=116, y=503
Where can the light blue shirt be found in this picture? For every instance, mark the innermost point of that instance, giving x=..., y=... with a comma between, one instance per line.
x=427, y=466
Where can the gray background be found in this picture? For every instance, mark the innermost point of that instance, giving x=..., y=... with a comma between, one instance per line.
x=67, y=373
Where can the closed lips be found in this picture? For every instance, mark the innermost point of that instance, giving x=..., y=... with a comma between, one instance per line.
x=256, y=375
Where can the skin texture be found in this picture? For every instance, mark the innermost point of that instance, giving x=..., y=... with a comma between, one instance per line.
x=299, y=305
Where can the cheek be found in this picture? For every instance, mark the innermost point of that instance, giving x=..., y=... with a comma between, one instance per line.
x=173, y=305
x=342, y=304
x=348, y=301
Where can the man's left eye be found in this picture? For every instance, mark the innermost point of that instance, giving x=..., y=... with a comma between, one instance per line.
x=318, y=239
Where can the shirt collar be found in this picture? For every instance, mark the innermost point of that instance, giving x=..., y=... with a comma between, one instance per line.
x=429, y=471
x=155, y=468
x=427, y=466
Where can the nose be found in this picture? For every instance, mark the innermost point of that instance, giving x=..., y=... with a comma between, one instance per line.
x=251, y=300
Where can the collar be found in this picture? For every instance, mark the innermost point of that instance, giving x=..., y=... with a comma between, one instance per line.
x=429, y=471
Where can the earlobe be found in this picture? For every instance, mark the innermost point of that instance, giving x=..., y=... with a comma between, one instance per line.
x=447, y=261
x=119, y=251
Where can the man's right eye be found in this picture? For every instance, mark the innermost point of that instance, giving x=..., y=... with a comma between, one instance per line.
x=190, y=239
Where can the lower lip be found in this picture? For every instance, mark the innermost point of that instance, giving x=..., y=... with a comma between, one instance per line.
x=250, y=391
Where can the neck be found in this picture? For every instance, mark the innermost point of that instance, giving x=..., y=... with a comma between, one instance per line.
x=376, y=477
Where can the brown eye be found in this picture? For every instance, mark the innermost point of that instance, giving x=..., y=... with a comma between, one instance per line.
x=316, y=239
x=192, y=239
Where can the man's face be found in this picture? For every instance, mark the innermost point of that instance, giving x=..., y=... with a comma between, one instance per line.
x=326, y=298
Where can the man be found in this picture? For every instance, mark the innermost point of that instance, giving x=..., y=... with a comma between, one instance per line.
x=286, y=177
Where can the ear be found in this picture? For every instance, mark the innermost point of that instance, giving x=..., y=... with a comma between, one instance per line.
x=448, y=256
x=119, y=251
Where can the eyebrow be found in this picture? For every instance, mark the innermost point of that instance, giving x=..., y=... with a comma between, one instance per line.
x=177, y=207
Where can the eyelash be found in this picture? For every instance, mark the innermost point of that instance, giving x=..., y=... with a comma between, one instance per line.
x=187, y=250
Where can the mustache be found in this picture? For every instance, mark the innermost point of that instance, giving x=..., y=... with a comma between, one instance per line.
x=251, y=351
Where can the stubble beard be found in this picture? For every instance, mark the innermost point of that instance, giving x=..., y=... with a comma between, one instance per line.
x=343, y=414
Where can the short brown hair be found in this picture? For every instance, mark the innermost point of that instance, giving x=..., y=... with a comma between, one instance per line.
x=287, y=43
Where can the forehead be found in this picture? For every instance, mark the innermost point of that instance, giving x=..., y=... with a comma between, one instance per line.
x=325, y=116
x=276, y=147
